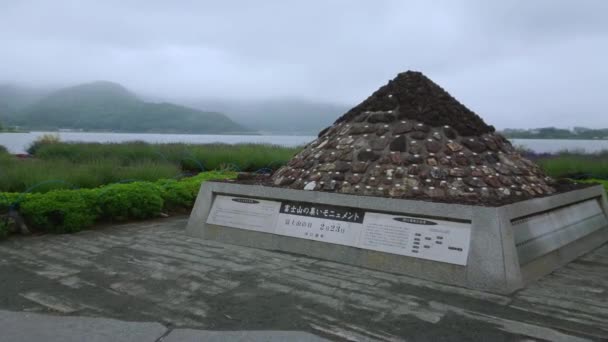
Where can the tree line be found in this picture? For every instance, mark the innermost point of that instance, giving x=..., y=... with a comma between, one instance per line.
x=557, y=133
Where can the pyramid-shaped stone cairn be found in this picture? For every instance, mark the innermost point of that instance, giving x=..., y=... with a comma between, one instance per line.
x=411, y=139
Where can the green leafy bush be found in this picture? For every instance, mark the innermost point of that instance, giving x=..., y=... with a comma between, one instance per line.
x=3, y=228
x=68, y=211
x=600, y=181
x=59, y=211
x=4, y=205
x=43, y=140
x=176, y=194
x=182, y=194
x=120, y=202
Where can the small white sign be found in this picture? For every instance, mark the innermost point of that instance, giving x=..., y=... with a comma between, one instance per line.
x=245, y=213
x=320, y=222
x=318, y=229
x=438, y=240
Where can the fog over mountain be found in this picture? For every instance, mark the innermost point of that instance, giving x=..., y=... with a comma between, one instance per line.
x=106, y=106
x=516, y=63
x=285, y=116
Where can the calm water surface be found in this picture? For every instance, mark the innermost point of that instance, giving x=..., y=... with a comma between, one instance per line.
x=555, y=145
x=18, y=142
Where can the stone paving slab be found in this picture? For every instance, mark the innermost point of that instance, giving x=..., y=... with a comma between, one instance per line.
x=152, y=272
x=29, y=327
x=190, y=335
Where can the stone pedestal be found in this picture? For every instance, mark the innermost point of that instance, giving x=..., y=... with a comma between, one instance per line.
x=504, y=247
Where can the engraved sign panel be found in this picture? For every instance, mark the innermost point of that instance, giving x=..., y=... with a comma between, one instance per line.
x=245, y=213
x=319, y=222
x=438, y=240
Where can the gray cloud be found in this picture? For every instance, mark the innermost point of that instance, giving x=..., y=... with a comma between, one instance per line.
x=516, y=63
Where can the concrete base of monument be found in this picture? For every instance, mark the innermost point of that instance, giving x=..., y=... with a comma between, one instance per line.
x=497, y=249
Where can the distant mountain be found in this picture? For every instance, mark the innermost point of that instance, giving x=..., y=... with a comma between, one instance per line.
x=109, y=106
x=14, y=98
x=277, y=116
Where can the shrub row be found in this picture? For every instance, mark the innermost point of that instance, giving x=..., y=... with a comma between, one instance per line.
x=67, y=211
x=3, y=229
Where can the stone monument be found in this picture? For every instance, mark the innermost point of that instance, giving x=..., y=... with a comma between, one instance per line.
x=410, y=181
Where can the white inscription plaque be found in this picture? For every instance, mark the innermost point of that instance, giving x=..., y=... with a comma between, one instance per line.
x=320, y=222
x=439, y=240
x=244, y=213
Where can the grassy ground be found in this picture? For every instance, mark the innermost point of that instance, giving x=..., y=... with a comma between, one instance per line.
x=58, y=165
x=240, y=157
x=87, y=165
x=601, y=181
x=573, y=164
x=43, y=175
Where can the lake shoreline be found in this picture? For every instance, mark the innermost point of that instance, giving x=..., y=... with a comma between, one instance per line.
x=17, y=143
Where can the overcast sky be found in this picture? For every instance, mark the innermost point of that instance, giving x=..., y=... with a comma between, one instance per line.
x=516, y=63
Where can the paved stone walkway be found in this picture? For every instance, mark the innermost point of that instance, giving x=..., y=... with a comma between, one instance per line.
x=29, y=327
x=153, y=272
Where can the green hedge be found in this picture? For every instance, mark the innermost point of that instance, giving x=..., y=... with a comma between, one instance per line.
x=122, y=202
x=67, y=211
x=61, y=211
x=600, y=181
x=3, y=229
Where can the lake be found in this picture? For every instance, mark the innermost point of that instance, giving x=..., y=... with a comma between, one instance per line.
x=18, y=142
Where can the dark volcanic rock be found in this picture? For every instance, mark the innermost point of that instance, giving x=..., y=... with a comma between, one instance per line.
x=454, y=146
x=422, y=128
x=342, y=167
x=474, y=145
x=438, y=173
x=418, y=135
x=416, y=147
x=381, y=117
x=449, y=132
x=412, y=91
x=411, y=139
x=403, y=127
x=367, y=156
x=399, y=144
x=491, y=158
x=379, y=143
x=395, y=158
x=382, y=130
x=362, y=129
x=360, y=167
x=433, y=146
x=415, y=159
